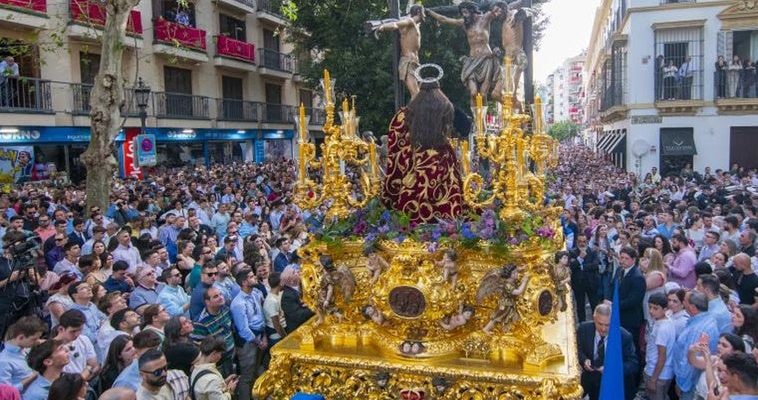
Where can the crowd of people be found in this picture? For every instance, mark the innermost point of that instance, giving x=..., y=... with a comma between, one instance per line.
x=682, y=250
x=182, y=285
x=735, y=78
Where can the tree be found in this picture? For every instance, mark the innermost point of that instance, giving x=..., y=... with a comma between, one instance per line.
x=362, y=64
x=105, y=101
x=564, y=130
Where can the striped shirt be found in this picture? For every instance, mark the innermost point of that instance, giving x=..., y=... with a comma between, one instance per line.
x=219, y=324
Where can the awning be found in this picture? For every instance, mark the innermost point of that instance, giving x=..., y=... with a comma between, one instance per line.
x=603, y=141
x=677, y=142
x=614, y=142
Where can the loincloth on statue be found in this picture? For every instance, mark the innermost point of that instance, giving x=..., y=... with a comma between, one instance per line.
x=518, y=57
x=480, y=69
x=406, y=66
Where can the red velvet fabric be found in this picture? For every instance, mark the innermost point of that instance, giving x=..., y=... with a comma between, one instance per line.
x=426, y=185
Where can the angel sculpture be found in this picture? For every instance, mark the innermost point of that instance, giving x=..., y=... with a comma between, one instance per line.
x=561, y=274
x=504, y=282
x=464, y=314
x=339, y=277
x=449, y=267
x=375, y=264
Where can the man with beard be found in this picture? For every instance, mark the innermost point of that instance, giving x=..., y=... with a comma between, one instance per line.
x=155, y=376
x=410, y=43
x=481, y=68
x=512, y=38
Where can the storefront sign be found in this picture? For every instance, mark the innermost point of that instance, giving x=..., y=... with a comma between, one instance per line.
x=677, y=142
x=146, y=150
x=16, y=164
x=43, y=134
x=129, y=166
x=646, y=119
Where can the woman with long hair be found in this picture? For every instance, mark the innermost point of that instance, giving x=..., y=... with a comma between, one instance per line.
x=68, y=387
x=98, y=248
x=651, y=265
x=664, y=247
x=179, y=350
x=59, y=300
x=184, y=260
x=154, y=318
x=745, y=322
x=602, y=246
x=695, y=231
x=121, y=353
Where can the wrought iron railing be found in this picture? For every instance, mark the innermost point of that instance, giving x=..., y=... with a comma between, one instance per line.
x=275, y=60
x=22, y=94
x=238, y=110
x=179, y=105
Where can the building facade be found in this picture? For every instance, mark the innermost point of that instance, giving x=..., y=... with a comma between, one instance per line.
x=565, y=87
x=224, y=84
x=656, y=94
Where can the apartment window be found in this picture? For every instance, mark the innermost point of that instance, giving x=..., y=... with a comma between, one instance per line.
x=89, y=64
x=232, y=27
x=178, y=96
x=173, y=11
x=274, y=108
x=678, y=64
x=270, y=40
x=306, y=98
x=231, y=89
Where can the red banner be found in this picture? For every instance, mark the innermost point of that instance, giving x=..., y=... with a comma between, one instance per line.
x=93, y=12
x=34, y=5
x=130, y=155
x=188, y=36
x=228, y=47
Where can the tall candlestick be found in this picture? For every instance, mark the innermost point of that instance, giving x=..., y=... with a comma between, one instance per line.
x=465, y=161
x=303, y=131
x=508, y=77
x=372, y=158
x=327, y=87
x=538, y=115
x=301, y=162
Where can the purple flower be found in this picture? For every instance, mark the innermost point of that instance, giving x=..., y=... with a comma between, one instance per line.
x=436, y=234
x=466, y=231
x=383, y=229
x=432, y=247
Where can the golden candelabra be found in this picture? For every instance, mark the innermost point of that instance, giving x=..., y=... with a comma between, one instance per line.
x=342, y=147
x=512, y=151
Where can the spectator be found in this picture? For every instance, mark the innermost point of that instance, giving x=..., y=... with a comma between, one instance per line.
x=746, y=279
x=48, y=359
x=22, y=335
x=247, y=313
x=216, y=320
x=747, y=242
x=127, y=252
x=130, y=377
x=700, y=357
x=70, y=262
x=173, y=297
x=68, y=386
x=739, y=376
x=710, y=246
x=659, y=351
x=147, y=289
x=651, y=265
x=745, y=322
x=119, y=281
x=208, y=277
x=180, y=352
x=284, y=258
x=81, y=294
x=207, y=382
x=226, y=283
x=682, y=270
x=709, y=285
x=700, y=328
x=676, y=311
x=59, y=300
x=78, y=236
x=120, y=354
x=155, y=318
x=153, y=371
x=82, y=355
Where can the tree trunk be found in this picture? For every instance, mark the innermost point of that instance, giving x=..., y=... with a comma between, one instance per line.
x=105, y=102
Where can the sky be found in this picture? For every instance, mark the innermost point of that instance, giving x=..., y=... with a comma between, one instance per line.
x=567, y=34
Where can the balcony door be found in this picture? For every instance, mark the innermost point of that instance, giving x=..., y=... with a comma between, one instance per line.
x=274, y=112
x=231, y=89
x=178, y=84
x=271, y=57
x=232, y=27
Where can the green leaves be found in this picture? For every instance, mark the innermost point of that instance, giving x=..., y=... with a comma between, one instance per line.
x=564, y=130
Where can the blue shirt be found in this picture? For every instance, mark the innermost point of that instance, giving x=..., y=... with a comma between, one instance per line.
x=666, y=232
x=173, y=300
x=94, y=317
x=686, y=374
x=228, y=287
x=142, y=296
x=13, y=366
x=721, y=314
x=130, y=377
x=38, y=389
x=197, y=302
x=115, y=285
x=247, y=229
x=247, y=313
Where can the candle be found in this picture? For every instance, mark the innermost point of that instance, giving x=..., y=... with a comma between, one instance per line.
x=508, y=77
x=303, y=130
x=465, y=157
x=538, y=115
x=327, y=87
x=301, y=162
x=372, y=158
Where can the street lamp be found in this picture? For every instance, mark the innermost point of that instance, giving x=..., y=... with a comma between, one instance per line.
x=142, y=96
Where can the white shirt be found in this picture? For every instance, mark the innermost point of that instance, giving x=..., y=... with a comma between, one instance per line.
x=273, y=306
x=80, y=350
x=662, y=334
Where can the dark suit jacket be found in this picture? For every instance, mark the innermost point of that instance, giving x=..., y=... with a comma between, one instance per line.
x=295, y=312
x=281, y=262
x=584, y=272
x=631, y=292
x=73, y=237
x=586, y=346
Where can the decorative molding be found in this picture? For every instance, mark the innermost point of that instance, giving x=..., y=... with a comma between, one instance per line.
x=694, y=23
x=737, y=106
x=738, y=16
x=615, y=113
x=679, y=107
x=679, y=6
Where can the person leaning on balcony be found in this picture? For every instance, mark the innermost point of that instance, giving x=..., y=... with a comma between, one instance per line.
x=8, y=69
x=721, y=67
x=748, y=79
x=733, y=73
x=670, y=72
x=685, y=78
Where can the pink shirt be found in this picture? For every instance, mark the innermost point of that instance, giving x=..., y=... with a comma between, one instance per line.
x=682, y=270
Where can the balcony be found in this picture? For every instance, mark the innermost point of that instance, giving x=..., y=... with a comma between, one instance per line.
x=612, y=107
x=275, y=64
x=271, y=11
x=318, y=116
x=731, y=96
x=92, y=13
x=180, y=106
x=234, y=53
x=26, y=95
x=176, y=40
x=245, y=6
x=83, y=91
x=675, y=95
x=238, y=110
x=278, y=113
x=25, y=14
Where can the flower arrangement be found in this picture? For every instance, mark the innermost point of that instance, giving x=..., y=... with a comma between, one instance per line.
x=472, y=230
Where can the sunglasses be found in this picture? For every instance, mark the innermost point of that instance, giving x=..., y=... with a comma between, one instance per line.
x=158, y=372
x=211, y=273
x=59, y=239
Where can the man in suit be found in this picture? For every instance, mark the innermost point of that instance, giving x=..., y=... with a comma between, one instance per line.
x=631, y=292
x=592, y=338
x=295, y=312
x=78, y=235
x=284, y=258
x=584, y=276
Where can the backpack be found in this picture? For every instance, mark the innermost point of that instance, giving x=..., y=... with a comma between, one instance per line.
x=194, y=382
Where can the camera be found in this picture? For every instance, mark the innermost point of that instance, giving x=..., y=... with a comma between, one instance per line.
x=24, y=252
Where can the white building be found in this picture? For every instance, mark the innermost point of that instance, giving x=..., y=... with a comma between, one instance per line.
x=643, y=118
x=566, y=99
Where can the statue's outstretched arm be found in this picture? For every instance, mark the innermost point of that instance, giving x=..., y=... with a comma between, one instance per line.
x=445, y=20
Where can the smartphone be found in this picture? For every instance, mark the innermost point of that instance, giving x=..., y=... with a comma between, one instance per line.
x=704, y=339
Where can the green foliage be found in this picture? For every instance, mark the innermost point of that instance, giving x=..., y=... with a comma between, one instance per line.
x=564, y=130
x=362, y=64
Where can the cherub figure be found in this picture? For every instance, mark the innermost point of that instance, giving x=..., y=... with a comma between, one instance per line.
x=342, y=278
x=449, y=267
x=562, y=277
x=372, y=313
x=504, y=282
x=375, y=263
x=460, y=319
